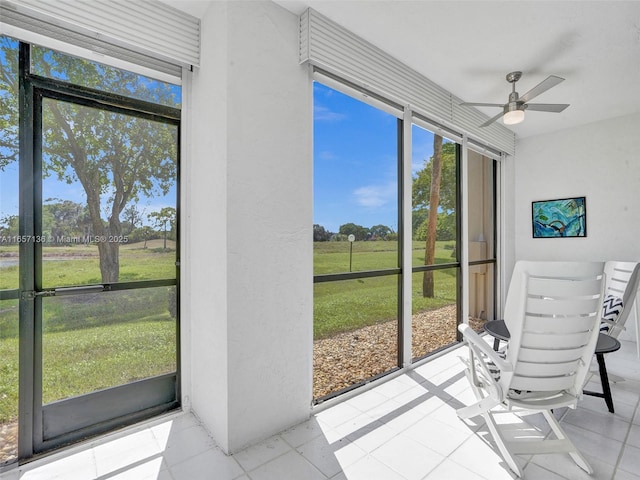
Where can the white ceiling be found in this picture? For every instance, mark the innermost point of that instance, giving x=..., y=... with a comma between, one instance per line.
x=468, y=47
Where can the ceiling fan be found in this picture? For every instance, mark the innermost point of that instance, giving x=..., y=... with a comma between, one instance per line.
x=513, y=110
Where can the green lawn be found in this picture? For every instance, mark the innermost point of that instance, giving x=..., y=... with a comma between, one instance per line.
x=92, y=341
x=96, y=341
x=350, y=304
x=79, y=264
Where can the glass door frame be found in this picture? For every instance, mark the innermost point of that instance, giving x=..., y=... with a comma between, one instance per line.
x=121, y=402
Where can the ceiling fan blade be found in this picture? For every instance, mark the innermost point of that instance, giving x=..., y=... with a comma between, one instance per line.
x=476, y=104
x=491, y=120
x=550, y=81
x=547, y=107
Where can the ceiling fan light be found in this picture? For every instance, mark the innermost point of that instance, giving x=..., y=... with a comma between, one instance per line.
x=513, y=117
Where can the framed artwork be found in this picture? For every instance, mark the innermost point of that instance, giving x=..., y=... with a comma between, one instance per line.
x=565, y=217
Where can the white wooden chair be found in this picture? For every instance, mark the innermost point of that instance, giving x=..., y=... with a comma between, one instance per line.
x=553, y=312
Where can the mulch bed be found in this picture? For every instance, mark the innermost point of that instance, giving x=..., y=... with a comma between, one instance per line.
x=349, y=358
x=8, y=442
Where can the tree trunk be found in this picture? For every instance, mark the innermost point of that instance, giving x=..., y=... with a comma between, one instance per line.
x=432, y=220
x=109, y=261
x=109, y=251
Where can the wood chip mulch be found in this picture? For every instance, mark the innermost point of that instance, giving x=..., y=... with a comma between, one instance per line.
x=352, y=357
x=8, y=442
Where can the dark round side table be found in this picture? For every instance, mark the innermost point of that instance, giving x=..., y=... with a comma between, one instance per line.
x=606, y=344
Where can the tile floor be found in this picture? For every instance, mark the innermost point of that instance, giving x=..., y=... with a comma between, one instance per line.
x=403, y=429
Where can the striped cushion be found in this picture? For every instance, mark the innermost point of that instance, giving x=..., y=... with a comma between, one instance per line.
x=611, y=310
x=495, y=373
x=493, y=368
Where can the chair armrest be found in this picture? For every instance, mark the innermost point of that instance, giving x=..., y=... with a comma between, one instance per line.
x=476, y=340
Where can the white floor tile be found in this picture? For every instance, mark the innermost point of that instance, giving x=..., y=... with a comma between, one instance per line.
x=478, y=456
x=373, y=436
x=407, y=457
x=212, y=464
x=634, y=436
x=337, y=415
x=401, y=421
x=563, y=465
x=261, y=453
x=303, y=433
x=622, y=475
x=290, y=465
x=449, y=470
x=630, y=461
x=604, y=424
x=186, y=443
x=394, y=387
x=77, y=466
x=594, y=445
x=154, y=469
x=369, y=468
x=367, y=400
x=130, y=450
x=436, y=435
x=331, y=458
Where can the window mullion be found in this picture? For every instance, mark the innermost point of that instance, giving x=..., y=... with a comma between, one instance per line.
x=407, y=238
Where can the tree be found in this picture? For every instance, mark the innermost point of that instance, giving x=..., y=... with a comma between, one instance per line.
x=432, y=219
x=360, y=232
x=64, y=218
x=166, y=216
x=434, y=193
x=320, y=234
x=8, y=102
x=380, y=231
x=132, y=216
x=114, y=156
x=9, y=225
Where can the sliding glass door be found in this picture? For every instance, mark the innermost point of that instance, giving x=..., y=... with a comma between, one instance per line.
x=90, y=281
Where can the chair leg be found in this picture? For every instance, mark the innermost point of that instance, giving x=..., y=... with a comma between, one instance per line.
x=501, y=443
x=559, y=433
x=482, y=407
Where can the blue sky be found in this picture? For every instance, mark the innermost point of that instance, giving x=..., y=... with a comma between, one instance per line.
x=355, y=161
x=53, y=188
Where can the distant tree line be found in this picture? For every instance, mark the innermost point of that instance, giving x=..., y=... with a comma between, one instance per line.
x=64, y=219
x=377, y=232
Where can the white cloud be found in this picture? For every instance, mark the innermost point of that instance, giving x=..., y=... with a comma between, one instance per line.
x=372, y=196
x=321, y=113
x=326, y=155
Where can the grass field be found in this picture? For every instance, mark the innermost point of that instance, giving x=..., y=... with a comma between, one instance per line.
x=350, y=304
x=92, y=341
x=96, y=341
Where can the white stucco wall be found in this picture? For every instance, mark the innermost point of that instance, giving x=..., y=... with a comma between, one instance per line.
x=600, y=161
x=250, y=226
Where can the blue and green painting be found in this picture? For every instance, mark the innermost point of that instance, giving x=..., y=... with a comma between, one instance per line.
x=566, y=217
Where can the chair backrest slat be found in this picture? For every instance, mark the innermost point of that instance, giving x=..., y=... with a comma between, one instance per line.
x=553, y=313
x=560, y=325
x=546, y=384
